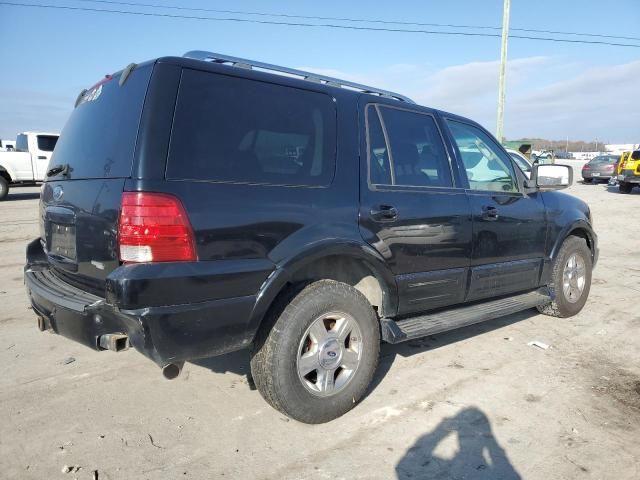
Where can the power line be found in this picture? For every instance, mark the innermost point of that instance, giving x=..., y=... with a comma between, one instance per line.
x=314, y=25
x=357, y=20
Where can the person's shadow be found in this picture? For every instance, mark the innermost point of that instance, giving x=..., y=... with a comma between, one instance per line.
x=478, y=456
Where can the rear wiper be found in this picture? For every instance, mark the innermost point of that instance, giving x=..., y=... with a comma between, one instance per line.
x=64, y=169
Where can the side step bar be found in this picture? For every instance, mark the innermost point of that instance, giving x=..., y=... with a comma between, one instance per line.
x=430, y=324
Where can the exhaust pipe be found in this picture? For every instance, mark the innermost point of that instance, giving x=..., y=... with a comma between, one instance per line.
x=172, y=370
x=116, y=342
x=43, y=324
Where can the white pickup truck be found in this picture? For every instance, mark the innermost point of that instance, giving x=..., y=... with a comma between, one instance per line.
x=28, y=164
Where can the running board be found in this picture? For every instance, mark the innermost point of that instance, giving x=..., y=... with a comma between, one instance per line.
x=430, y=324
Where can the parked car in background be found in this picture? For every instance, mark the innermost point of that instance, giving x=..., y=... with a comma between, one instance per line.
x=564, y=155
x=302, y=217
x=7, y=145
x=521, y=161
x=28, y=163
x=629, y=172
x=600, y=168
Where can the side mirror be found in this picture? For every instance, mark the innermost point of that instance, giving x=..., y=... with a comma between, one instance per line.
x=551, y=177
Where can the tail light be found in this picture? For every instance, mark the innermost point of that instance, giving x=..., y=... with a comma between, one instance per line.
x=154, y=227
x=586, y=167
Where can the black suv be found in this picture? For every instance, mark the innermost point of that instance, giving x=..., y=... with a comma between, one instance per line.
x=199, y=205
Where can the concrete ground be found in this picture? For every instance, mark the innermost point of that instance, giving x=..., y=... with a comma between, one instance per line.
x=475, y=403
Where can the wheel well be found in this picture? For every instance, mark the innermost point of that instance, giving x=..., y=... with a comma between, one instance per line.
x=349, y=270
x=582, y=233
x=4, y=174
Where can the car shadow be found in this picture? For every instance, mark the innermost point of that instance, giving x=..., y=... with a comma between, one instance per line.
x=478, y=456
x=13, y=196
x=238, y=362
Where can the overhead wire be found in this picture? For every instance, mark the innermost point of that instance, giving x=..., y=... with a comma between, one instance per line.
x=352, y=19
x=312, y=25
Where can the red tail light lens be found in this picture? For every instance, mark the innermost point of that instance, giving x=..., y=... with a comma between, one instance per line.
x=154, y=227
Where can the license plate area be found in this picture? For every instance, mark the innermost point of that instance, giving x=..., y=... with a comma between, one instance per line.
x=63, y=241
x=596, y=174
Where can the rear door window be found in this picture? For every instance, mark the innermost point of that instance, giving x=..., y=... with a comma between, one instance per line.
x=229, y=129
x=415, y=156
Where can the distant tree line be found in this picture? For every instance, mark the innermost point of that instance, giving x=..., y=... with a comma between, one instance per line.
x=561, y=145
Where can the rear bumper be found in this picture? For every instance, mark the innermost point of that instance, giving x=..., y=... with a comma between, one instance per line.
x=597, y=175
x=629, y=178
x=165, y=334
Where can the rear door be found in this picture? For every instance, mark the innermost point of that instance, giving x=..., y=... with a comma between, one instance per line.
x=79, y=206
x=412, y=211
x=509, y=225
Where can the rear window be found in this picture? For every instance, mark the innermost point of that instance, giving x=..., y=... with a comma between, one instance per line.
x=99, y=139
x=47, y=143
x=229, y=129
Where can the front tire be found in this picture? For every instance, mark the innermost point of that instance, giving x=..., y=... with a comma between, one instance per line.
x=571, y=279
x=316, y=354
x=4, y=188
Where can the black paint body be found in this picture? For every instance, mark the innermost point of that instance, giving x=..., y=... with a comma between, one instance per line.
x=251, y=240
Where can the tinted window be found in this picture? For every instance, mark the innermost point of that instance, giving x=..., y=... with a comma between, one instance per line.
x=487, y=166
x=47, y=143
x=232, y=129
x=99, y=139
x=417, y=155
x=379, y=168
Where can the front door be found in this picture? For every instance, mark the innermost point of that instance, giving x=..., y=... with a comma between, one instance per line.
x=509, y=226
x=411, y=210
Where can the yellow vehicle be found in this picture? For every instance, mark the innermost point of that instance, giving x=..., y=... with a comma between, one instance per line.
x=629, y=171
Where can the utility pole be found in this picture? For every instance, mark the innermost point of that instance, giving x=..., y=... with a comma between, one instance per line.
x=503, y=69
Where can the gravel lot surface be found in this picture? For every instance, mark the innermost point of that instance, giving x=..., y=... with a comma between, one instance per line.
x=475, y=403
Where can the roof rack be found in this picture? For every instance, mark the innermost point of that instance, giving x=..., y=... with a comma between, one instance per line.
x=312, y=77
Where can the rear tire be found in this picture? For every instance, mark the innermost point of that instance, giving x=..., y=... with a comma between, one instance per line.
x=570, y=280
x=625, y=187
x=4, y=188
x=316, y=354
x=587, y=180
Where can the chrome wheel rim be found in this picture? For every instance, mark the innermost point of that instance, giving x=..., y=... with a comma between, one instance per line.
x=329, y=354
x=574, y=278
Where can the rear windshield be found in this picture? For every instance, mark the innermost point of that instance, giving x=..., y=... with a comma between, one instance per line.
x=47, y=143
x=99, y=139
x=601, y=160
x=229, y=129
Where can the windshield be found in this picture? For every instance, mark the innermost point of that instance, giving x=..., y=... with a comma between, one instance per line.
x=47, y=143
x=521, y=162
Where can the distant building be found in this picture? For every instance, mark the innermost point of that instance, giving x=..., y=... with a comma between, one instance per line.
x=618, y=148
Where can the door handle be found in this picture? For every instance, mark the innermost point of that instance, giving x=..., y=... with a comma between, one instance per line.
x=41, y=157
x=490, y=213
x=384, y=213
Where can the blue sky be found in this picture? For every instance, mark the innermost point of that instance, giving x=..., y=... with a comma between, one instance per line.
x=554, y=90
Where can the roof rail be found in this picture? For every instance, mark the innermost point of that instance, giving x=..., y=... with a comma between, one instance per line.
x=312, y=77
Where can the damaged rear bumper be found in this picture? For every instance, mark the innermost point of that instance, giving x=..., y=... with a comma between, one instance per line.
x=165, y=334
